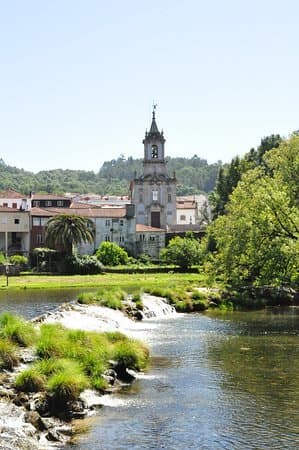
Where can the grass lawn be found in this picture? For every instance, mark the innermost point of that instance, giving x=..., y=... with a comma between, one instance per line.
x=126, y=281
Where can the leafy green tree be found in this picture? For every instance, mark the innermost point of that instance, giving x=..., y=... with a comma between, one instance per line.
x=183, y=252
x=229, y=176
x=66, y=231
x=257, y=240
x=111, y=254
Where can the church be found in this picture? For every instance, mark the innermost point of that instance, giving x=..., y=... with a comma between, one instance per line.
x=154, y=192
x=159, y=213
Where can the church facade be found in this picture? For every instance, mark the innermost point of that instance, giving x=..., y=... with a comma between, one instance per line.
x=154, y=192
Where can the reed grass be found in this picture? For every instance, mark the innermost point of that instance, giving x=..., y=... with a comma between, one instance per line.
x=8, y=354
x=17, y=329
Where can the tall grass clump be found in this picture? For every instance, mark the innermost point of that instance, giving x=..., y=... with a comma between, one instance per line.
x=17, y=330
x=66, y=385
x=131, y=354
x=51, y=342
x=137, y=299
x=8, y=354
x=30, y=380
x=111, y=298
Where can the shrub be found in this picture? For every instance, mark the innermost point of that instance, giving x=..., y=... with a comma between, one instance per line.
x=84, y=265
x=8, y=355
x=19, y=260
x=110, y=254
x=17, y=329
x=30, y=380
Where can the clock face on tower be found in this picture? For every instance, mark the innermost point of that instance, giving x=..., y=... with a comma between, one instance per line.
x=155, y=151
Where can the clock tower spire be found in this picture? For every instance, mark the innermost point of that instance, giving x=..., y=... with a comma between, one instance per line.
x=154, y=142
x=154, y=192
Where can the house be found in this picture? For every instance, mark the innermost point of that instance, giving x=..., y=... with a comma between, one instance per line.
x=13, y=199
x=14, y=231
x=49, y=201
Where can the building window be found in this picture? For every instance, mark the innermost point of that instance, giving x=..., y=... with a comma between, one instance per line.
x=39, y=239
x=36, y=203
x=107, y=238
x=14, y=205
x=182, y=217
x=107, y=223
x=48, y=203
x=121, y=222
x=152, y=238
x=169, y=198
x=155, y=196
x=5, y=205
x=17, y=221
x=121, y=239
x=141, y=237
x=140, y=196
x=59, y=202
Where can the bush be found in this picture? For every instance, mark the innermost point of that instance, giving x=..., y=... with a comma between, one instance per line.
x=84, y=265
x=17, y=329
x=110, y=254
x=19, y=260
x=8, y=355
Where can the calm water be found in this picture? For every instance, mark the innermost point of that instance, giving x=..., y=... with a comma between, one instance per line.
x=228, y=381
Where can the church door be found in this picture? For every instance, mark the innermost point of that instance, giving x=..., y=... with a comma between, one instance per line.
x=155, y=219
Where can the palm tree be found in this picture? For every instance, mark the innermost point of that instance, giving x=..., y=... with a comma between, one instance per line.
x=65, y=231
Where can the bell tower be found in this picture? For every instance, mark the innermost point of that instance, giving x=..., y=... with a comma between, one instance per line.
x=154, y=192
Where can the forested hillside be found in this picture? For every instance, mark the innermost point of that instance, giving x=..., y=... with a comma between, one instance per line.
x=194, y=176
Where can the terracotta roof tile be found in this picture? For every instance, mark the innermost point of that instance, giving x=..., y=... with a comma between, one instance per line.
x=10, y=193
x=147, y=229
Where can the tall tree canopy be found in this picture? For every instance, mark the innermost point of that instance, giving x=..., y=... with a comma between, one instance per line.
x=66, y=231
x=230, y=175
x=257, y=240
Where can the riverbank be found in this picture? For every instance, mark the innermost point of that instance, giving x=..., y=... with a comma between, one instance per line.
x=28, y=423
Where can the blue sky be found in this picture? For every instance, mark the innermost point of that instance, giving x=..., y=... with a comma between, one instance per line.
x=78, y=78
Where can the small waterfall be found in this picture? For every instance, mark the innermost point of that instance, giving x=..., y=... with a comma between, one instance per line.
x=156, y=307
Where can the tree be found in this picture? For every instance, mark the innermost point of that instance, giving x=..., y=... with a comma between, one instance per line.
x=111, y=254
x=257, y=240
x=183, y=252
x=65, y=231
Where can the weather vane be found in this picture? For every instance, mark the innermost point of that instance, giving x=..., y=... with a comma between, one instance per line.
x=155, y=106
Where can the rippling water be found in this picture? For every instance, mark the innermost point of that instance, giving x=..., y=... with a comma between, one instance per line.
x=221, y=382
x=226, y=381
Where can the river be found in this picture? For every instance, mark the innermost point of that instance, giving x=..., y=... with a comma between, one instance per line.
x=216, y=381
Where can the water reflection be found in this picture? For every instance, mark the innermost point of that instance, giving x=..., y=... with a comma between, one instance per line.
x=32, y=303
x=216, y=381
